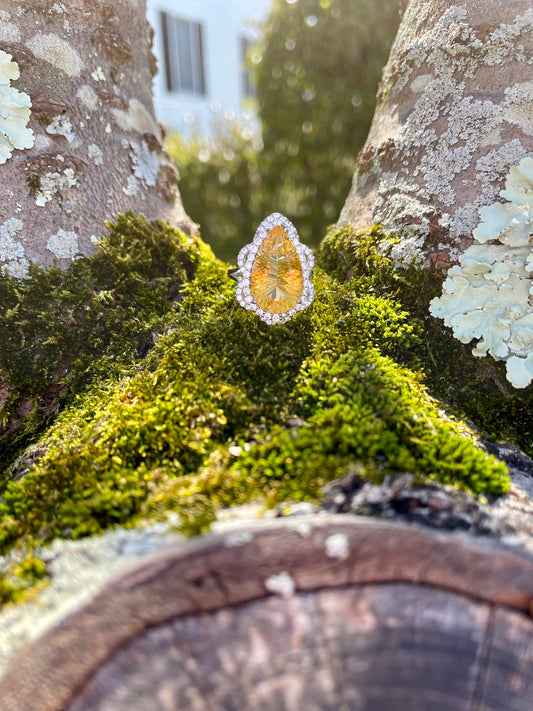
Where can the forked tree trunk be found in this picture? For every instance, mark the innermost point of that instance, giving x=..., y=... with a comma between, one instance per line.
x=81, y=72
x=455, y=112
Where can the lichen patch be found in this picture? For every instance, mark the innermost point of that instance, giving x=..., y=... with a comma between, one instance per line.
x=9, y=32
x=63, y=244
x=337, y=546
x=58, y=52
x=12, y=255
x=282, y=584
x=95, y=154
x=88, y=97
x=518, y=106
x=439, y=141
x=61, y=126
x=98, y=74
x=137, y=118
x=146, y=163
x=51, y=185
x=486, y=297
x=14, y=111
x=132, y=186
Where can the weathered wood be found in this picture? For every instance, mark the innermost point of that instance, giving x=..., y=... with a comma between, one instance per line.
x=374, y=647
x=365, y=615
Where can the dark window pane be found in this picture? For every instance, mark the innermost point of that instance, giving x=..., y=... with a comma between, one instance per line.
x=184, y=56
x=199, y=63
x=166, y=50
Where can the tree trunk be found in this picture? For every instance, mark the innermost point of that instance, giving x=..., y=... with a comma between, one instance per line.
x=454, y=123
x=79, y=142
x=327, y=614
x=454, y=114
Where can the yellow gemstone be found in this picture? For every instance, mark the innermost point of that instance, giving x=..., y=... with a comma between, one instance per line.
x=276, y=280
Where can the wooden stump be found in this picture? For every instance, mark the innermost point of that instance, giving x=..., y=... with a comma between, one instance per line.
x=335, y=613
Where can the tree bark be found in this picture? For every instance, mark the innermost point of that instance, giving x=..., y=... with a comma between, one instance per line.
x=326, y=613
x=454, y=114
x=81, y=71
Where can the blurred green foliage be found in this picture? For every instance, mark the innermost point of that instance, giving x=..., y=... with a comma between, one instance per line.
x=317, y=74
x=222, y=187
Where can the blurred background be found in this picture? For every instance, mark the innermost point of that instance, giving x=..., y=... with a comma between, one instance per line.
x=266, y=104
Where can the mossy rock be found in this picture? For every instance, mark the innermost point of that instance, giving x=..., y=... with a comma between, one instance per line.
x=172, y=398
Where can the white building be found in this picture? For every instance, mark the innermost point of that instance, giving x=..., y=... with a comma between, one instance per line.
x=200, y=46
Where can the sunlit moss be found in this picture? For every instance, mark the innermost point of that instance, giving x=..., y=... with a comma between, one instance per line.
x=59, y=330
x=19, y=581
x=201, y=405
x=472, y=387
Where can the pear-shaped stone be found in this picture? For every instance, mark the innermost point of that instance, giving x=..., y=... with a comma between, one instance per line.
x=276, y=280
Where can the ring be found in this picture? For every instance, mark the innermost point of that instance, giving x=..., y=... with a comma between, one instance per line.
x=274, y=276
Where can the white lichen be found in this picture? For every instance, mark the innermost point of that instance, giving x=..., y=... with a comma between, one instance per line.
x=132, y=186
x=61, y=126
x=52, y=184
x=420, y=83
x=14, y=111
x=487, y=295
x=12, y=254
x=98, y=74
x=42, y=143
x=145, y=163
x=519, y=106
x=337, y=546
x=440, y=140
x=57, y=52
x=9, y=32
x=137, y=118
x=63, y=244
x=95, y=154
x=88, y=97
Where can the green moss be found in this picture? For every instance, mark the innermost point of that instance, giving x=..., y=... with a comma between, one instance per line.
x=44, y=118
x=362, y=407
x=19, y=582
x=156, y=423
x=475, y=388
x=59, y=330
x=33, y=183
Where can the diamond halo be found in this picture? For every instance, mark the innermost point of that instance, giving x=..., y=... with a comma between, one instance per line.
x=246, y=260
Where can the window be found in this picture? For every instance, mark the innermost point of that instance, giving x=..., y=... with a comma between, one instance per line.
x=184, y=63
x=248, y=80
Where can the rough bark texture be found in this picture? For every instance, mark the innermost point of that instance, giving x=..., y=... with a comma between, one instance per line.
x=331, y=613
x=454, y=114
x=87, y=67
